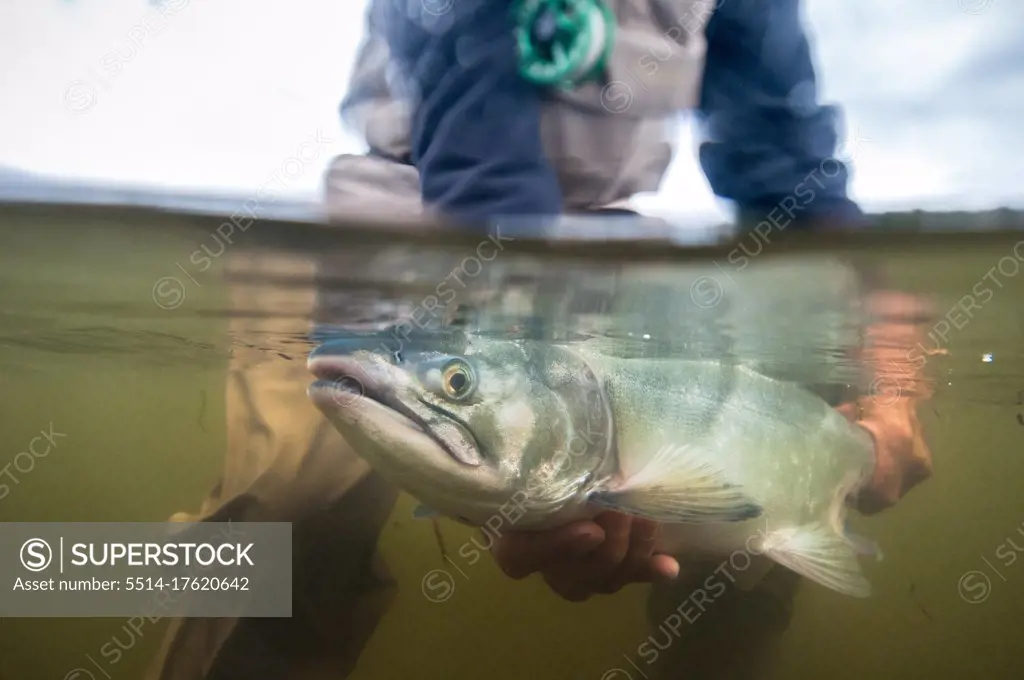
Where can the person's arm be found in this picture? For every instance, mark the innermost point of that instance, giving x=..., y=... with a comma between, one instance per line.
x=476, y=137
x=895, y=356
x=770, y=146
x=772, y=150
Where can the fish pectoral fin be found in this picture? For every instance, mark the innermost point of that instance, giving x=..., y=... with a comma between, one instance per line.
x=423, y=512
x=677, y=486
x=818, y=553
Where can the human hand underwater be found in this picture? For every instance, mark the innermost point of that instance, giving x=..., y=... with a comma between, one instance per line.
x=896, y=350
x=587, y=557
x=902, y=457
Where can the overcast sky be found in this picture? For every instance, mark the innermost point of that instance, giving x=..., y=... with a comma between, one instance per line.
x=224, y=90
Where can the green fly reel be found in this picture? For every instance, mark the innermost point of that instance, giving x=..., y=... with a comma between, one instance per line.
x=563, y=43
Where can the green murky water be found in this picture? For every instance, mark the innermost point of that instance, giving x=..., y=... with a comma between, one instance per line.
x=120, y=337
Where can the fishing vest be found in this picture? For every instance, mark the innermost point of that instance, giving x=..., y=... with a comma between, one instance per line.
x=606, y=140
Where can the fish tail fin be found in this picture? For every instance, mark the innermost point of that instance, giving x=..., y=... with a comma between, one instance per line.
x=818, y=553
x=679, y=486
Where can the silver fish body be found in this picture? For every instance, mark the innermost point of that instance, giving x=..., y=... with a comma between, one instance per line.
x=727, y=459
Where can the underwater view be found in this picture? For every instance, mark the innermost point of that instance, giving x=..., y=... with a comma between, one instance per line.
x=155, y=371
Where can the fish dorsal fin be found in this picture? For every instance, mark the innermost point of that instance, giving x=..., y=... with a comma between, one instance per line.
x=816, y=552
x=678, y=486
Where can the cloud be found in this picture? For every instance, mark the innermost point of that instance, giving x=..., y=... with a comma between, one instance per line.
x=937, y=89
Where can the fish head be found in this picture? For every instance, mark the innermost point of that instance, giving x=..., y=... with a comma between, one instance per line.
x=469, y=427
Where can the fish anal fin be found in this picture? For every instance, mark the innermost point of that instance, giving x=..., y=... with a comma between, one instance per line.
x=678, y=486
x=819, y=554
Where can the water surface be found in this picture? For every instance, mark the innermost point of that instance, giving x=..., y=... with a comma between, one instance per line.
x=129, y=332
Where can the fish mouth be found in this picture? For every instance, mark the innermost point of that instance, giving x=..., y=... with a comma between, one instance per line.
x=342, y=381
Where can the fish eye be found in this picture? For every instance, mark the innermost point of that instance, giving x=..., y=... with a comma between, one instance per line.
x=458, y=380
